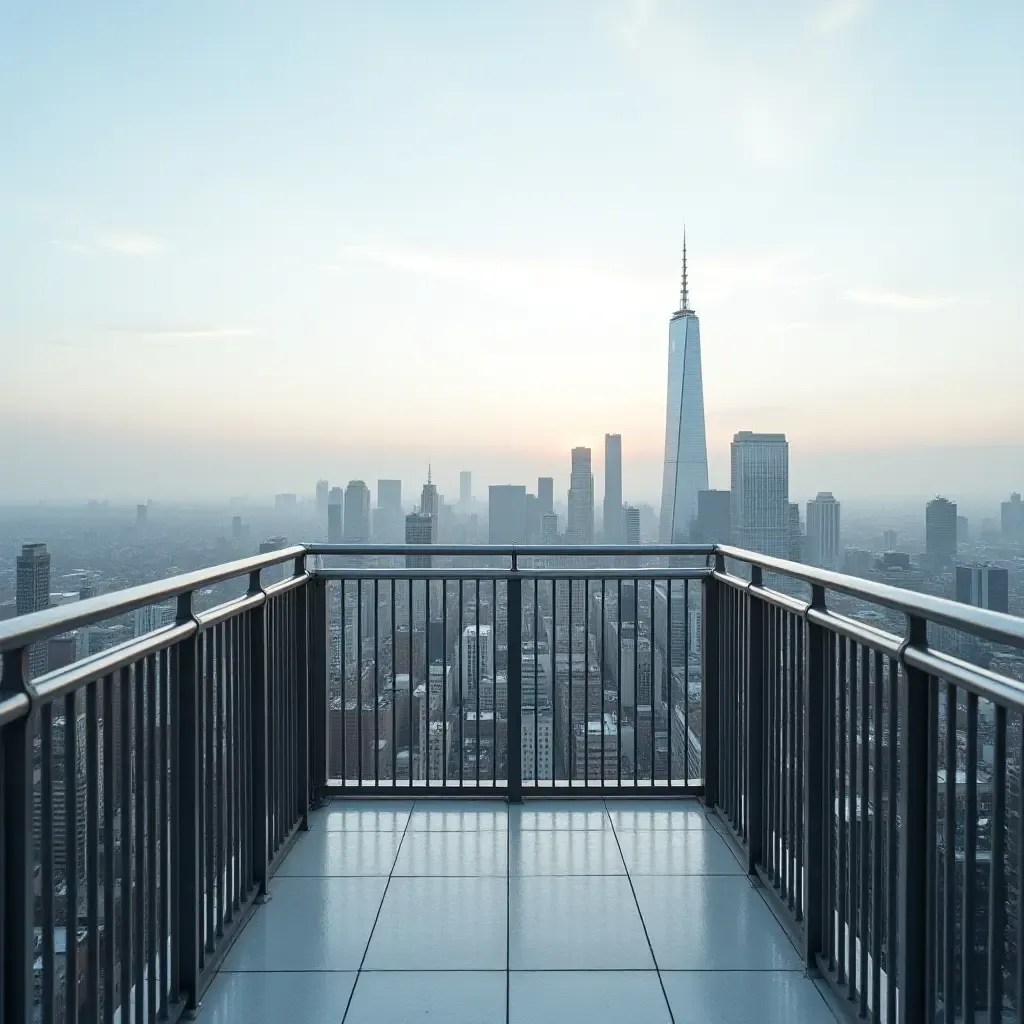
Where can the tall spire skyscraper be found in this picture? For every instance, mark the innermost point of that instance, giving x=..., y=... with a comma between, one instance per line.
x=686, y=446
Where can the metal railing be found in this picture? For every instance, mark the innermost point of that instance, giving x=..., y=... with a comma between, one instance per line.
x=148, y=793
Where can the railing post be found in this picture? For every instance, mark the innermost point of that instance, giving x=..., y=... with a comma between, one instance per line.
x=914, y=761
x=258, y=717
x=515, y=687
x=17, y=907
x=754, y=794
x=301, y=627
x=710, y=652
x=318, y=711
x=816, y=814
x=188, y=832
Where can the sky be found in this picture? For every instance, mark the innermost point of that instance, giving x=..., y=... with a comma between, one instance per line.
x=244, y=244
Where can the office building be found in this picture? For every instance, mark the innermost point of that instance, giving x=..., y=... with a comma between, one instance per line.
x=631, y=520
x=506, y=514
x=940, y=532
x=686, y=451
x=465, y=488
x=532, y=519
x=613, y=528
x=322, y=492
x=823, y=545
x=275, y=572
x=476, y=659
x=536, y=743
x=285, y=502
x=963, y=530
x=357, y=513
x=890, y=540
x=148, y=619
x=335, y=515
x=984, y=586
x=419, y=529
x=580, y=525
x=236, y=528
x=430, y=506
x=1012, y=519
x=759, y=505
x=713, y=517
x=545, y=495
x=549, y=528
x=388, y=518
x=141, y=515
x=33, y=595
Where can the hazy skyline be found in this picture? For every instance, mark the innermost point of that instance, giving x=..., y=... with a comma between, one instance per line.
x=243, y=246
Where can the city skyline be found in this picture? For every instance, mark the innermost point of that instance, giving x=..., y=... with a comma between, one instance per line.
x=830, y=213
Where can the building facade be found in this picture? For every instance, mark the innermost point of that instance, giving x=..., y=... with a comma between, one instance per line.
x=940, y=532
x=823, y=531
x=759, y=505
x=614, y=532
x=580, y=525
x=357, y=513
x=506, y=514
x=33, y=595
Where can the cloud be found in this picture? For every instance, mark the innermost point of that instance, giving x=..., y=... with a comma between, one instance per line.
x=183, y=333
x=76, y=247
x=897, y=300
x=835, y=16
x=131, y=245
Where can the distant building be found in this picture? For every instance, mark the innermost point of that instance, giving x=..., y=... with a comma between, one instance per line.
x=823, y=531
x=357, y=513
x=631, y=519
x=984, y=586
x=890, y=540
x=532, y=518
x=1012, y=519
x=963, y=530
x=322, y=492
x=141, y=515
x=506, y=514
x=60, y=651
x=276, y=572
x=148, y=619
x=388, y=519
x=536, y=743
x=714, y=524
x=545, y=495
x=285, y=502
x=476, y=659
x=465, y=488
x=940, y=532
x=419, y=529
x=33, y=595
x=795, y=533
x=549, y=528
x=685, y=471
x=335, y=515
x=236, y=527
x=760, y=493
x=614, y=531
x=430, y=506
x=580, y=525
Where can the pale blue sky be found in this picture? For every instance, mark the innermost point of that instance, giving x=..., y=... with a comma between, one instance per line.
x=342, y=238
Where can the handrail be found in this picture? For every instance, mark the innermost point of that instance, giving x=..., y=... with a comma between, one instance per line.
x=514, y=550
x=26, y=630
x=989, y=625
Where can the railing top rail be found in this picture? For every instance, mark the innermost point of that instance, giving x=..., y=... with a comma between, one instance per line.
x=994, y=626
x=37, y=626
x=693, y=572
x=518, y=550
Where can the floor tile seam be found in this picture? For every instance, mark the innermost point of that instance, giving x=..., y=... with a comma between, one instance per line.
x=643, y=923
x=380, y=907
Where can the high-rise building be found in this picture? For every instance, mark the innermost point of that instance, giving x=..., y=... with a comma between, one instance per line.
x=388, y=521
x=984, y=586
x=613, y=528
x=476, y=647
x=465, y=488
x=322, y=491
x=580, y=525
x=940, y=532
x=141, y=515
x=549, y=528
x=545, y=495
x=275, y=572
x=963, y=530
x=686, y=448
x=429, y=506
x=148, y=619
x=236, y=527
x=389, y=494
x=1012, y=519
x=795, y=533
x=357, y=512
x=285, y=502
x=631, y=519
x=532, y=519
x=713, y=517
x=33, y=594
x=419, y=529
x=890, y=539
x=823, y=547
x=506, y=514
x=335, y=515
x=760, y=493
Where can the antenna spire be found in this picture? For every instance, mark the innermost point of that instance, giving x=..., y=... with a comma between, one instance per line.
x=684, y=290
x=428, y=472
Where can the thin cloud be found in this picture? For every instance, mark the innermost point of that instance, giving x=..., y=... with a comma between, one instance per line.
x=131, y=245
x=898, y=300
x=184, y=333
x=836, y=16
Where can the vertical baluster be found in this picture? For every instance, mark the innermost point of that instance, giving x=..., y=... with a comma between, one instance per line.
x=876, y=837
x=968, y=926
x=109, y=860
x=843, y=891
x=949, y=857
x=997, y=882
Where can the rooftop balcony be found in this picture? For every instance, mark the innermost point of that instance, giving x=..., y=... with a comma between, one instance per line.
x=727, y=798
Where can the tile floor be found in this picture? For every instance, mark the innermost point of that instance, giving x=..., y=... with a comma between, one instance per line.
x=557, y=910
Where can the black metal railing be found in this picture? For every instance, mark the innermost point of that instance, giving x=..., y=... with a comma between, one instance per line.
x=871, y=780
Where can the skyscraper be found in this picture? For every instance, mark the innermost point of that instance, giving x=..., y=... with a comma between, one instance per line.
x=465, y=488
x=1012, y=519
x=545, y=495
x=357, y=512
x=549, y=528
x=33, y=594
x=940, y=532
x=506, y=514
x=760, y=493
x=714, y=524
x=429, y=506
x=335, y=515
x=388, y=525
x=686, y=448
x=580, y=526
x=419, y=529
x=613, y=529
x=984, y=586
x=322, y=492
x=631, y=520
x=823, y=546
x=141, y=515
